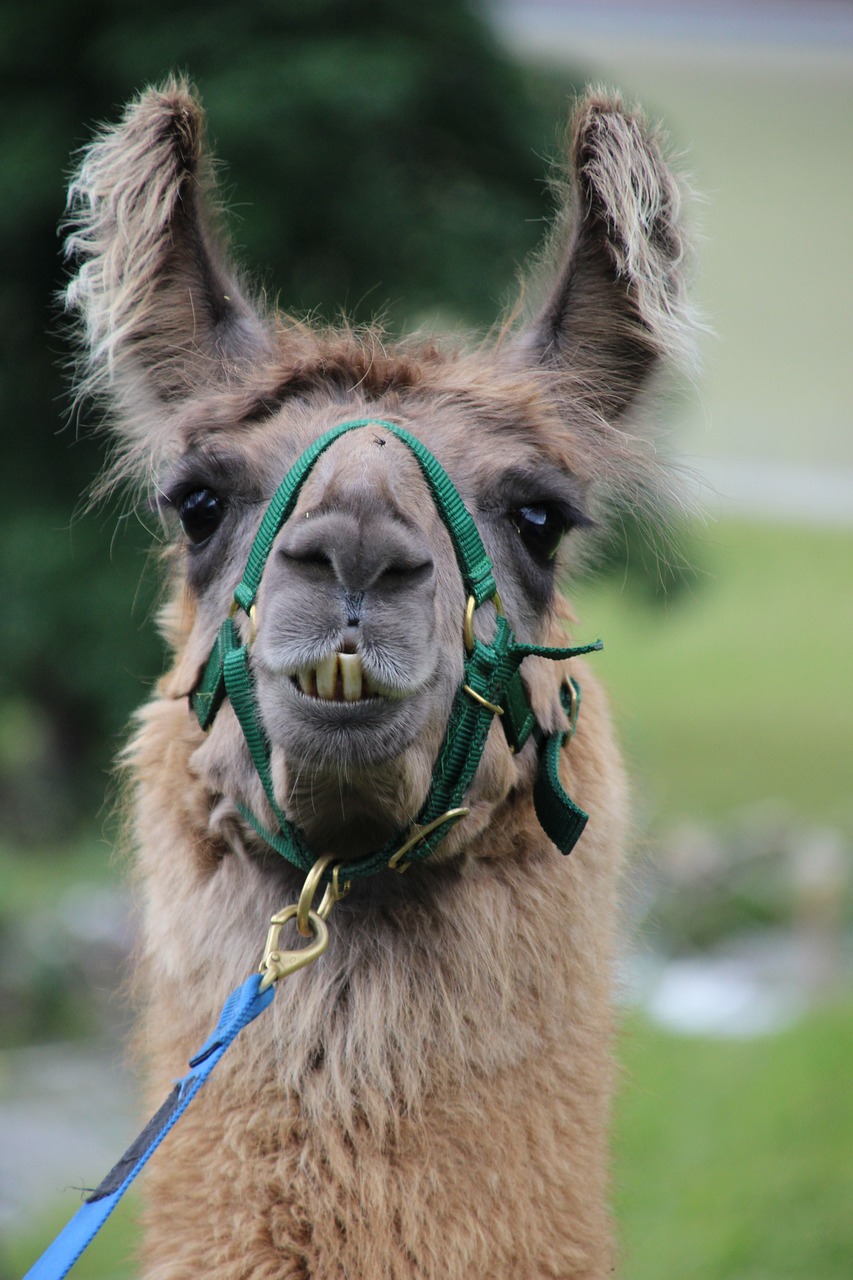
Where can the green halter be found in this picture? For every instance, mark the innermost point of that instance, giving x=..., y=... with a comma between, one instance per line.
x=491, y=685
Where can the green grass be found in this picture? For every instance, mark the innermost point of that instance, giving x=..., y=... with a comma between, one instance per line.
x=110, y=1256
x=733, y=1158
x=740, y=693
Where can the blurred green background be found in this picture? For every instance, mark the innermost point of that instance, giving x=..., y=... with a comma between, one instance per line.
x=380, y=157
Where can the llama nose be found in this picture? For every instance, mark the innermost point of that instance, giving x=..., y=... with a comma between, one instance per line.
x=359, y=554
x=352, y=607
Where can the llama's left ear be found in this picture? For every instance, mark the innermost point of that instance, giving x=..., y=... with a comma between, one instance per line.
x=615, y=303
x=161, y=313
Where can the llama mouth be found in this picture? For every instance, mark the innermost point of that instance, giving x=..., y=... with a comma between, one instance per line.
x=338, y=678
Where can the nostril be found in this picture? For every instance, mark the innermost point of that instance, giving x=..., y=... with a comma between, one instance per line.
x=311, y=559
x=407, y=574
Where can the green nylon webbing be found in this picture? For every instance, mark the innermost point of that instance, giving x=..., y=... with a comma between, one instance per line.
x=491, y=670
x=241, y=694
x=209, y=693
x=518, y=719
x=474, y=564
x=559, y=817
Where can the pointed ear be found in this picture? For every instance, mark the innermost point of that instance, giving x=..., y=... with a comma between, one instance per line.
x=161, y=313
x=615, y=303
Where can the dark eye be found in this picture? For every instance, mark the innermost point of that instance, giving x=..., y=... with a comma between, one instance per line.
x=541, y=528
x=200, y=513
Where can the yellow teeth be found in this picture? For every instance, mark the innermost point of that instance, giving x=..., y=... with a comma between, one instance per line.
x=338, y=678
x=349, y=665
x=326, y=675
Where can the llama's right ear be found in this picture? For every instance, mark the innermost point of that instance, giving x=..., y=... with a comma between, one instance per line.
x=161, y=314
x=615, y=305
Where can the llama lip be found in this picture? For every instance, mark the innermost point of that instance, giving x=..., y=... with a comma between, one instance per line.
x=338, y=678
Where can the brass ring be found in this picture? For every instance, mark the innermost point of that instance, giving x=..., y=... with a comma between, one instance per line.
x=490, y=706
x=468, y=625
x=306, y=897
x=419, y=834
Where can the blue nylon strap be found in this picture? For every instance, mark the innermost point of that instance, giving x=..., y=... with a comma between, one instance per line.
x=241, y=1008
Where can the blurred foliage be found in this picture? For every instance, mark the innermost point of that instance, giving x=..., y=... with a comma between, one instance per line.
x=736, y=698
x=375, y=151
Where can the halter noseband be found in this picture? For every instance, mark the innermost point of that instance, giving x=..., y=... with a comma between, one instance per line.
x=491, y=685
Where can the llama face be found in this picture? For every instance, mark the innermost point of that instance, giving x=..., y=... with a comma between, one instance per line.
x=357, y=651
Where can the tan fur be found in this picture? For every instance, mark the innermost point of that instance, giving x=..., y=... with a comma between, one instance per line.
x=431, y=1098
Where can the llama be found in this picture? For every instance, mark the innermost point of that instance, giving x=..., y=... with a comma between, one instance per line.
x=430, y=1098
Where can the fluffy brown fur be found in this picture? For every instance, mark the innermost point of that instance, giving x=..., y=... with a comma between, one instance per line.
x=431, y=1098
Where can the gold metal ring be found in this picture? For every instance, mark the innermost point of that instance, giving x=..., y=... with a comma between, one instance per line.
x=468, y=625
x=490, y=706
x=306, y=897
x=419, y=834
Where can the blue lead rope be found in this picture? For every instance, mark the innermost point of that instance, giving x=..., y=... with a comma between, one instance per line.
x=241, y=1008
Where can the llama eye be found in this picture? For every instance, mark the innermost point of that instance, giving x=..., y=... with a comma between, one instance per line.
x=200, y=513
x=541, y=529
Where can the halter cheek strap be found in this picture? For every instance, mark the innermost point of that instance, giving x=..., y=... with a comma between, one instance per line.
x=491, y=685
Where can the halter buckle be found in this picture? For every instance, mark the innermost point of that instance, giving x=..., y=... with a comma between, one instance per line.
x=419, y=834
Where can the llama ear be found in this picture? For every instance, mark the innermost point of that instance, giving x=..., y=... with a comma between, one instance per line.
x=161, y=314
x=618, y=304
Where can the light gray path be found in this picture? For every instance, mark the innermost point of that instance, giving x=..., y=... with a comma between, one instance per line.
x=758, y=97
x=67, y=1112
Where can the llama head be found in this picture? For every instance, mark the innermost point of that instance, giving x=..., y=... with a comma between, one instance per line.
x=357, y=652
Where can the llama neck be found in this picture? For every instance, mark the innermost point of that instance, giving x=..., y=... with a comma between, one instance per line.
x=431, y=980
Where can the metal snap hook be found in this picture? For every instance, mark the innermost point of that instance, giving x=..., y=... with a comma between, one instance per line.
x=278, y=964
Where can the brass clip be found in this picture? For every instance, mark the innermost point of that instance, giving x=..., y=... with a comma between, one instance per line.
x=278, y=964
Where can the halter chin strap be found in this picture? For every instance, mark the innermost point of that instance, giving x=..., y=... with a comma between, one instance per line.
x=491, y=685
